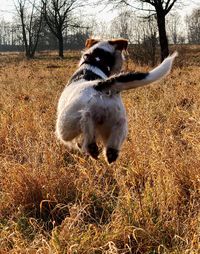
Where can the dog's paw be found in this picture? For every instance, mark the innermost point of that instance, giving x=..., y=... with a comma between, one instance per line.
x=93, y=150
x=111, y=154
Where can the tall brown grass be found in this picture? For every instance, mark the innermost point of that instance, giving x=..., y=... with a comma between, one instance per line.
x=53, y=201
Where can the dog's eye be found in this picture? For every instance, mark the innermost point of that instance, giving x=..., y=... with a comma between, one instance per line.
x=86, y=56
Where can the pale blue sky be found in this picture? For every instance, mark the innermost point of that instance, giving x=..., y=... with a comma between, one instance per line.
x=7, y=10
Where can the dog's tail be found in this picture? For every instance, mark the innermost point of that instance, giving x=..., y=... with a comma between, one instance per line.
x=132, y=80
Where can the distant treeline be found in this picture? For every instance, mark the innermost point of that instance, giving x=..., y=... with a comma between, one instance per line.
x=11, y=38
x=60, y=25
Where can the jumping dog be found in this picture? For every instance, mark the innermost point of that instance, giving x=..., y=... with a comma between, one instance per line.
x=91, y=103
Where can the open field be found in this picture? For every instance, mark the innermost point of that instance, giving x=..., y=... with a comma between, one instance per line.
x=52, y=201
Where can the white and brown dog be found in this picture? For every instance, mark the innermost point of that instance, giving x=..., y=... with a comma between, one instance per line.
x=91, y=104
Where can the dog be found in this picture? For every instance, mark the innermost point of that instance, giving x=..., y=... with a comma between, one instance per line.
x=91, y=104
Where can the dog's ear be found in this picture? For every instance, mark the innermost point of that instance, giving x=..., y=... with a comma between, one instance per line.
x=90, y=42
x=121, y=44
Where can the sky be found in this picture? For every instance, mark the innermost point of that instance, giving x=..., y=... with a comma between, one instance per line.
x=7, y=10
x=6, y=5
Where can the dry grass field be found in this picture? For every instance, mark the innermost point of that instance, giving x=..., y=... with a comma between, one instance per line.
x=52, y=201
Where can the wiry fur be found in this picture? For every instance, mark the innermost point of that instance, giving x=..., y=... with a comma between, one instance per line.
x=93, y=106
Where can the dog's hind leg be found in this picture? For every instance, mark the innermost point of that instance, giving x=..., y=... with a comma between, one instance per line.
x=68, y=126
x=89, y=143
x=115, y=140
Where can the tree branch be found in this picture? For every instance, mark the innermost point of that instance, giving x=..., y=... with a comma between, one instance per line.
x=169, y=6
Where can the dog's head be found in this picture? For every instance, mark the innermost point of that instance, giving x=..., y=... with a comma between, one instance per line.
x=106, y=55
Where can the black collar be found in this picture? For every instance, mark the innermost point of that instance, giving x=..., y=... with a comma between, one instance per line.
x=84, y=74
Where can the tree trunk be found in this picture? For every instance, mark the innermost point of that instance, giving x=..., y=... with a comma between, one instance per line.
x=162, y=34
x=28, y=54
x=25, y=38
x=61, y=47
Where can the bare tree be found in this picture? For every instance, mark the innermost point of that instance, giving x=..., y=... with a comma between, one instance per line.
x=161, y=8
x=174, y=26
x=123, y=25
x=193, y=24
x=4, y=33
x=141, y=33
x=58, y=16
x=149, y=42
x=31, y=22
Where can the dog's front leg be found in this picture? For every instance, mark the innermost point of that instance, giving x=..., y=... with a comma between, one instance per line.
x=89, y=142
x=115, y=140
